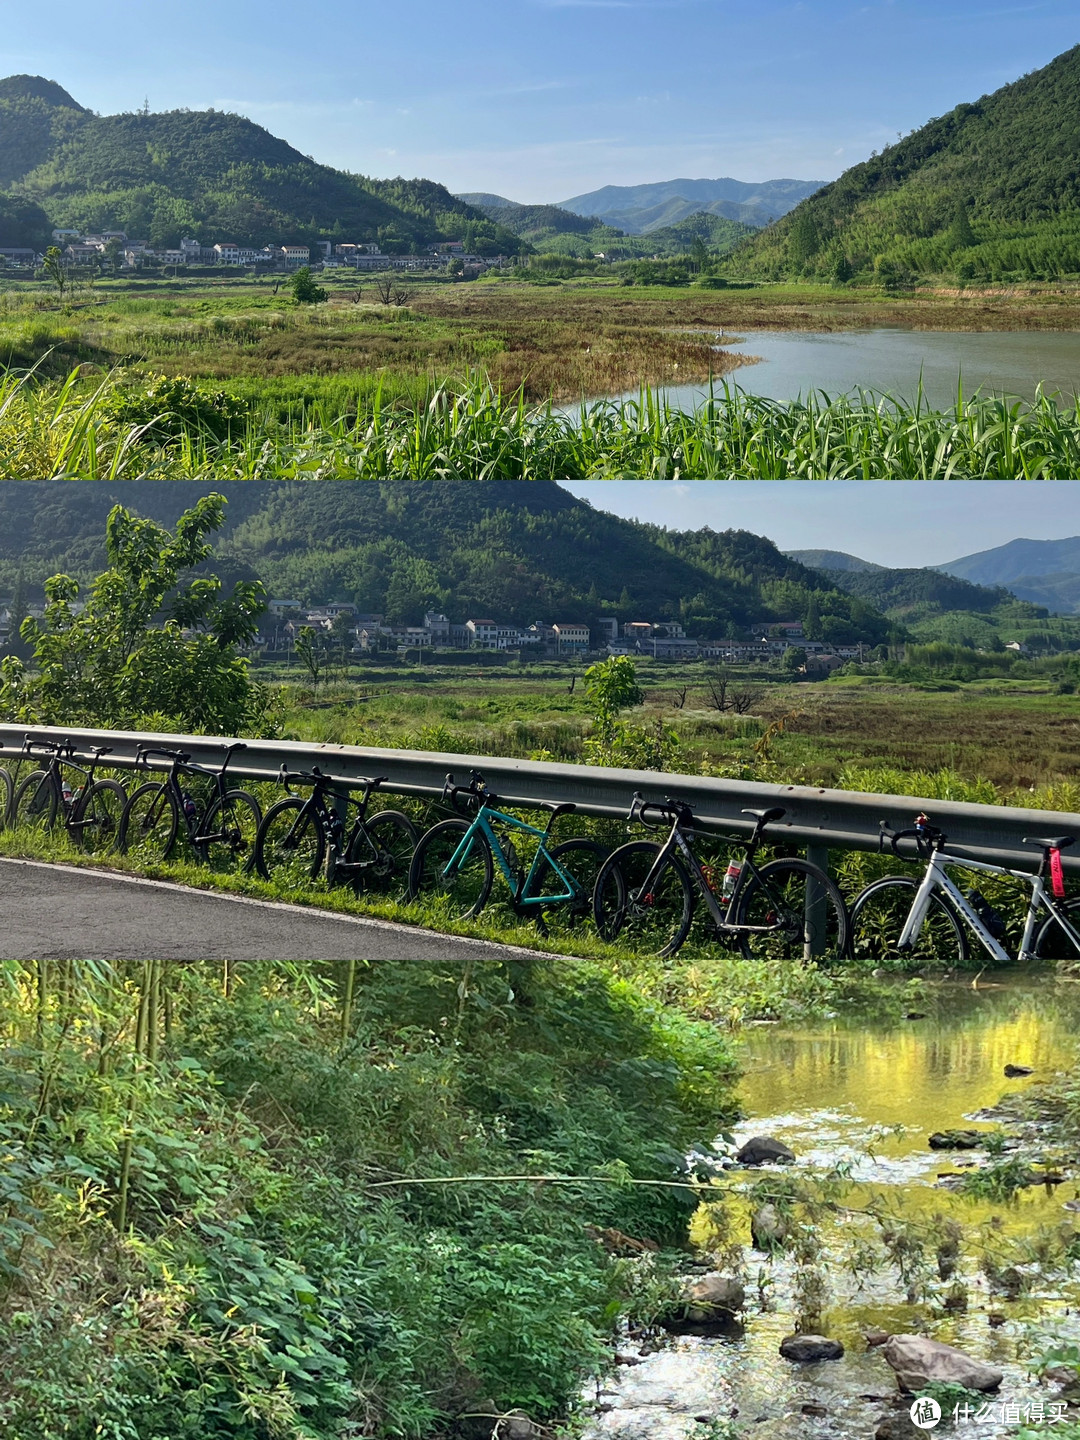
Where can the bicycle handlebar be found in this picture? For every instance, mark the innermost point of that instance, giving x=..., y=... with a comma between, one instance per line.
x=669, y=810
x=476, y=790
x=927, y=837
x=315, y=776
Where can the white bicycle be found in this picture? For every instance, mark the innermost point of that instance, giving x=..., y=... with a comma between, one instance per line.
x=929, y=919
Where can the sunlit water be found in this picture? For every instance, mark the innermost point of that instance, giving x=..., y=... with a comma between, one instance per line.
x=795, y=362
x=866, y=1094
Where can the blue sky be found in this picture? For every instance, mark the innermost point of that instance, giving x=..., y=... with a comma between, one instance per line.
x=544, y=99
x=905, y=522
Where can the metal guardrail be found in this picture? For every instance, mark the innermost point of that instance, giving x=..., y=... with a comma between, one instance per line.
x=816, y=818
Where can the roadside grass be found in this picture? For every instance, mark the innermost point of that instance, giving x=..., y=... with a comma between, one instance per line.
x=474, y=430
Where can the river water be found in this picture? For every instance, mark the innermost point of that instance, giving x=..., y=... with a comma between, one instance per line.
x=795, y=362
x=864, y=1092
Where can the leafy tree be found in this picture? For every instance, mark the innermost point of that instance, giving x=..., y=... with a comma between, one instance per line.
x=304, y=289
x=612, y=685
x=794, y=659
x=311, y=654
x=54, y=269
x=150, y=641
x=960, y=235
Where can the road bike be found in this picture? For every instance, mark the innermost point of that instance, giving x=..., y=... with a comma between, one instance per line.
x=90, y=810
x=221, y=833
x=298, y=837
x=7, y=793
x=929, y=918
x=456, y=861
x=646, y=893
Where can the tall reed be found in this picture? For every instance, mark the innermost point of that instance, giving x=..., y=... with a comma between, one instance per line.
x=473, y=431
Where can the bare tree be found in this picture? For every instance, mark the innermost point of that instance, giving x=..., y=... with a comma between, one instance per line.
x=743, y=701
x=390, y=292
x=719, y=684
x=681, y=701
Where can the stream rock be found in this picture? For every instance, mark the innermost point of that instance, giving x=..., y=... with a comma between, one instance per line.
x=764, y=1150
x=712, y=1301
x=769, y=1229
x=1013, y=1072
x=919, y=1362
x=956, y=1140
x=804, y=1348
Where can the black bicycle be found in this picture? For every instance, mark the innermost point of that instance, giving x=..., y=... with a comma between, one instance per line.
x=221, y=833
x=7, y=794
x=297, y=837
x=646, y=893
x=90, y=810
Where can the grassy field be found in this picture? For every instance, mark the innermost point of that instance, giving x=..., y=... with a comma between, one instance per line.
x=562, y=341
x=1008, y=735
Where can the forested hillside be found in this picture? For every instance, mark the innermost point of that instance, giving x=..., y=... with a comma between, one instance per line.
x=210, y=175
x=990, y=191
x=521, y=550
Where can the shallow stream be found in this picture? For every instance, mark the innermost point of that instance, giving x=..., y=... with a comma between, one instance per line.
x=865, y=1091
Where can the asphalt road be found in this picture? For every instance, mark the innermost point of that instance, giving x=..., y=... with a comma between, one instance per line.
x=58, y=912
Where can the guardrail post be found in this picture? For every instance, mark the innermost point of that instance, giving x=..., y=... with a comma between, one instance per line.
x=817, y=914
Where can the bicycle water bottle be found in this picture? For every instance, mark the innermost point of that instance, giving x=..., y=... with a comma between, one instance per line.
x=191, y=810
x=731, y=879
x=67, y=792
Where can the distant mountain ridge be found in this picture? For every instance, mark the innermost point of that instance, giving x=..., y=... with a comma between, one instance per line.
x=640, y=209
x=1044, y=572
x=838, y=560
x=208, y=174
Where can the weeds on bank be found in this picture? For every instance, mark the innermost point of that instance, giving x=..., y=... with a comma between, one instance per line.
x=474, y=431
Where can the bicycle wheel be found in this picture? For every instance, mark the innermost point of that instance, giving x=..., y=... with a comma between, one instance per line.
x=290, y=846
x=95, y=821
x=877, y=920
x=233, y=821
x=149, y=823
x=653, y=921
x=582, y=861
x=34, y=805
x=800, y=910
x=7, y=793
x=387, y=851
x=1051, y=941
x=464, y=891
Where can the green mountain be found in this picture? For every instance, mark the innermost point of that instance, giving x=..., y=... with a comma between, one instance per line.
x=517, y=549
x=211, y=175
x=831, y=560
x=902, y=591
x=989, y=191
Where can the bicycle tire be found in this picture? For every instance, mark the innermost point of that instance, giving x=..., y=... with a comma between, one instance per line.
x=7, y=795
x=582, y=860
x=653, y=924
x=35, y=803
x=778, y=896
x=465, y=893
x=150, y=822
x=1051, y=942
x=290, y=851
x=877, y=920
x=236, y=816
x=95, y=820
x=394, y=838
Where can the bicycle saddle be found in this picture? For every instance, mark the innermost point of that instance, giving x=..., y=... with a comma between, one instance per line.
x=766, y=817
x=556, y=810
x=1059, y=842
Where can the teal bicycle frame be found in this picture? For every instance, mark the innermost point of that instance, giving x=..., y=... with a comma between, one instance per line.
x=571, y=889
